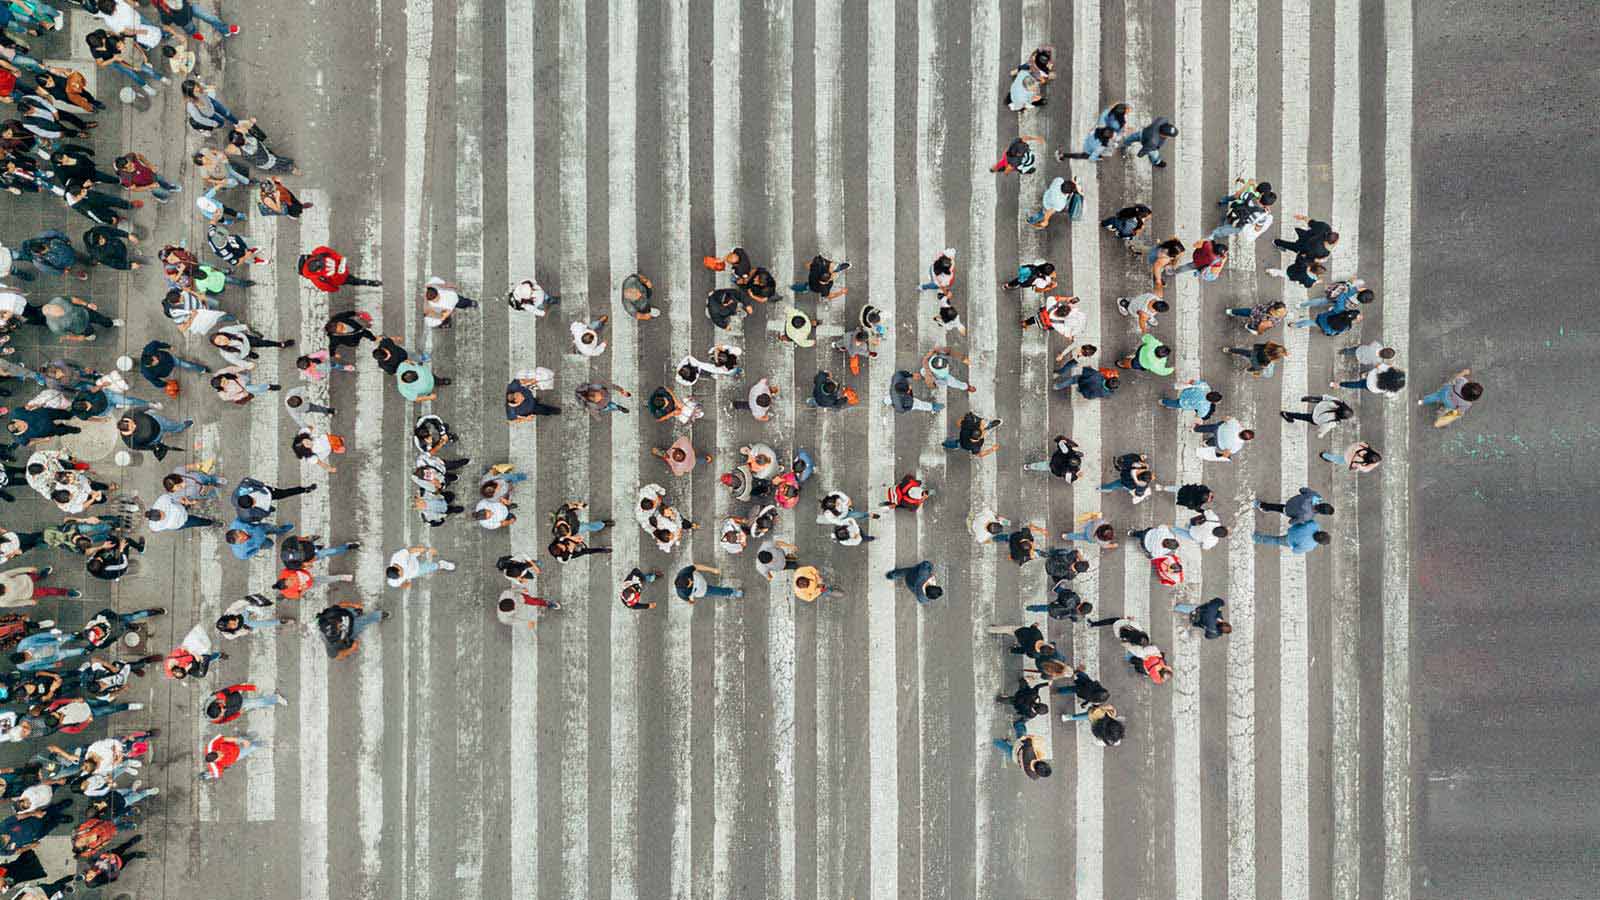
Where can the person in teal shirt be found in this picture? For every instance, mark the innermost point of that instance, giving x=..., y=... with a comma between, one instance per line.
x=417, y=382
x=1151, y=356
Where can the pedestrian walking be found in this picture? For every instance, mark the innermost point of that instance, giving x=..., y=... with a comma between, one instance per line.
x=972, y=434
x=1454, y=398
x=1019, y=156
x=1358, y=457
x=408, y=564
x=1263, y=357
x=1224, y=438
x=919, y=580
x=1326, y=412
x=1151, y=139
x=1300, y=538
x=691, y=584
x=1206, y=616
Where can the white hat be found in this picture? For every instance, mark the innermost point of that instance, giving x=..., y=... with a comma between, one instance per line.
x=125, y=363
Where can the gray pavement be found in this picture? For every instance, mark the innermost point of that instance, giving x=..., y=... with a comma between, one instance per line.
x=765, y=747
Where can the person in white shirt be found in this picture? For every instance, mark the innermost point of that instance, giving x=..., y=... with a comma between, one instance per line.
x=1369, y=354
x=411, y=563
x=122, y=19
x=1157, y=540
x=168, y=513
x=1226, y=438
x=586, y=340
x=528, y=295
x=440, y=300
x=1204, y=529
x=985, y=526
x=493, y=513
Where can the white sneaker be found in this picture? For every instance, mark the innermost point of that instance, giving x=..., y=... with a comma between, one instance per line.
x=133, y=707
x=149, y=90
x=116, y=323
x=1122, y=305
x=1275, y=273
x=155, y=406
x=447, y=565
x=282, y=700
x=154, y=791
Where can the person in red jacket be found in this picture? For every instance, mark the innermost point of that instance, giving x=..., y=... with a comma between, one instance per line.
x=1208, y=260
x=223, y=752
x=910, y=493
x=232, y=702
x=325, y=268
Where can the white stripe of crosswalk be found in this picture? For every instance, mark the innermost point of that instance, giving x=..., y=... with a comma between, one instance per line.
x=984, y=338
x=575, y=302
x=883, y=808
x=466, y=339
x=1346, y=499
x=1293, y=694
x=1187, y=810
x=261, y=788
x=1398, y=40
x=1089, y=763
x=313, y=705
x=623, y=30
x=1242, y=111
x=781, y=652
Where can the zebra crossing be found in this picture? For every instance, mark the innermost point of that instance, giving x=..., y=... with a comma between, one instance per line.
x=763, y=747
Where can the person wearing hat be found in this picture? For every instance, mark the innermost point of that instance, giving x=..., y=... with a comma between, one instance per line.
x=1151, y=139
x=936, y=370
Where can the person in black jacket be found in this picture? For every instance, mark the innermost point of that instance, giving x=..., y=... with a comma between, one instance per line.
x=1206, y=616
x=1025, y=702
x=108, y=246
x=157, y=362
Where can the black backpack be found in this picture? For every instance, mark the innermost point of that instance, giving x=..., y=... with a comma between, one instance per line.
x=337, y=625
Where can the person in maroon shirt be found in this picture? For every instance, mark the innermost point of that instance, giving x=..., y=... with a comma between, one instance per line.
x=1207, y=254
x=138, y=175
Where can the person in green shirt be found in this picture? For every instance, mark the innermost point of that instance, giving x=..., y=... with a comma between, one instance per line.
x=74, y=318
x=1151, y=356
x=417, y=382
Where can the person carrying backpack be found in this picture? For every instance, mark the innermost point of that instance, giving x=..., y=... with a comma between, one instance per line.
x=341, y=625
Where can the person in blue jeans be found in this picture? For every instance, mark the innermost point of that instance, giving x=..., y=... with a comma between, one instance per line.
x=246, y=539
x=918, y=580
x=1301, y=538
x=691, y=584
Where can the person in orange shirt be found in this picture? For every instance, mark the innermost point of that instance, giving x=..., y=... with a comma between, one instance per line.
x=292, y=584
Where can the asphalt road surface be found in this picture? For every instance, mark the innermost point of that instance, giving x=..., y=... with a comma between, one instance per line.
x=1327, y=749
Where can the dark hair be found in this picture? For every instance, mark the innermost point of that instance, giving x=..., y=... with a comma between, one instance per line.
x=1322, y=537
x=1168, y=129
x=1471, y=391
x=1105, y=533
x=1111, y=730
x=1163, y=351
x=213, y=709
x=1365, y=296
x=1087, y=349
x=1042, y=769
x=1040, y=709
x=1161, y=306
x=1324, y=509
x=1220, y=247
x=1214, y=397
x=933, y=592
x=169, y=51
x=409, y=376
x=1224, y=627
x=1104, y=134
x=1391, y=380
x=1246, y=434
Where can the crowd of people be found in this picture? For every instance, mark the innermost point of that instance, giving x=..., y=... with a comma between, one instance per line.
x=62, y=681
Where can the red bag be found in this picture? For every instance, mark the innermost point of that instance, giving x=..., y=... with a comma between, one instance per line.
x=1168, y=569
x=714, y=263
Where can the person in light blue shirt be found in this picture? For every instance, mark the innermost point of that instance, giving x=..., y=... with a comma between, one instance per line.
x=1196, y=396
x=43, y=650
x=1301, y=538
x=246, y=539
